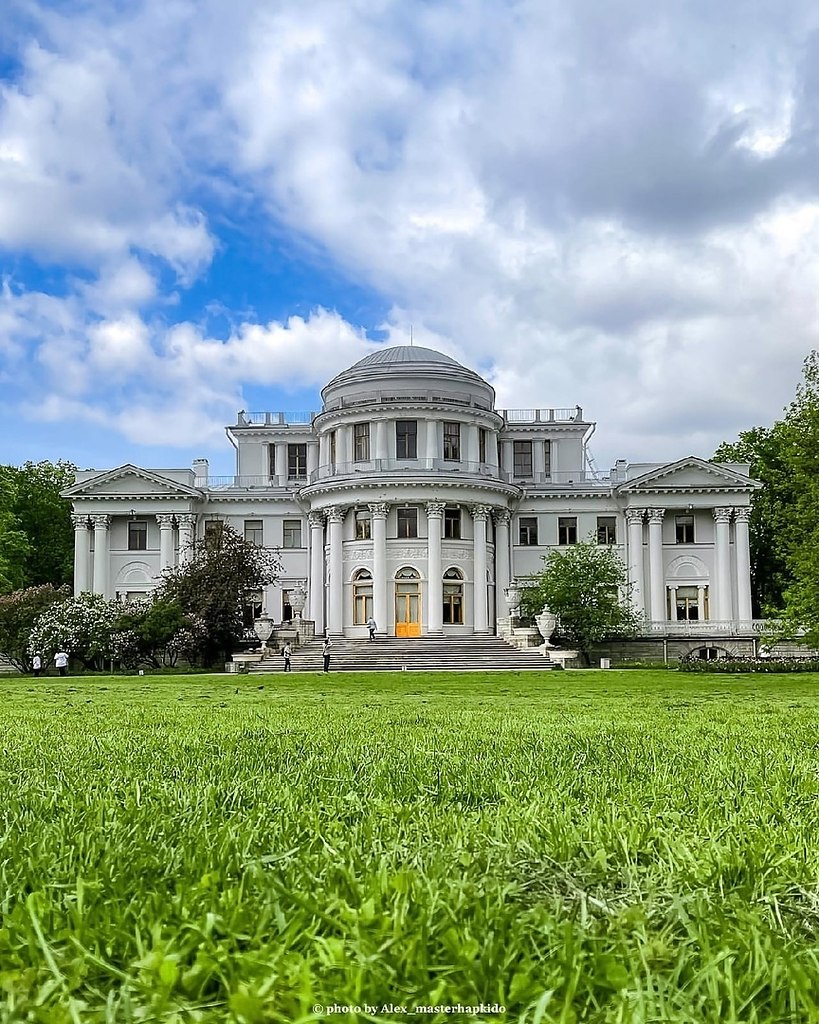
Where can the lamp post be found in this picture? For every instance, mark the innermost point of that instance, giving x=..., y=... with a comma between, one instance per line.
x=263, y=627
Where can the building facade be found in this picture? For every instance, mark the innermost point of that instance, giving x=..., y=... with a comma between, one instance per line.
x=411, y=498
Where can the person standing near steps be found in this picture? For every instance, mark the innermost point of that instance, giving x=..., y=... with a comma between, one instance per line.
x=371, y=626
x=287, y=654
x=326, y=653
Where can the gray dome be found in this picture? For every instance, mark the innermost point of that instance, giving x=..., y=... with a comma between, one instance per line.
x=402, y=358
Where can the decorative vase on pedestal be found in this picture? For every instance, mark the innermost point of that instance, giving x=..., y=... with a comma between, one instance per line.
x=546, y=623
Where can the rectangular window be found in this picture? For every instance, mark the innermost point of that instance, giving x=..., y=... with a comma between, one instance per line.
x=452, y=442
x=481, y=444
x=567, y=530
x=362, y=526
x=407, y=522
x=296, y=461
x=212, y=527
x=287, y=608
x=606, y=529
x=137, y=535
x=271, y=461
x=452, y=523
x=406, y=439
x=332, y=447
x=527, y=531
x=291, y=533
x=547, y=458
x=684, y=529
x=361, y=435
x=254, y=532
x=522, y=452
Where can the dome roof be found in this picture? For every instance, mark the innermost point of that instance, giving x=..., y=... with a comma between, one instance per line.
x=402, y=359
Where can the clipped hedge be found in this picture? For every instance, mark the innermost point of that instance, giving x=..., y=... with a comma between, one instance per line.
x=740, y=664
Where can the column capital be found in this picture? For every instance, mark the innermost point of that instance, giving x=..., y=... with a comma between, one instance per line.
x=80, y=520
x=166, y=520
x=742, y=514
x=502, y=516
x=656, y=515
x=635, y=515
x=435, y=509
x=378, y=509
x=101, y=522
x=335, y=514
x=480, y=512
x=186, y=518
x=723, y=515
x=315, y=520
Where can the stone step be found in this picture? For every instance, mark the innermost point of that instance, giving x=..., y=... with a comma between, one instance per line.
x=423, y=654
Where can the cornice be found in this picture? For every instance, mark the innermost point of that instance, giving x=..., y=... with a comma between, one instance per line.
x=479, y=485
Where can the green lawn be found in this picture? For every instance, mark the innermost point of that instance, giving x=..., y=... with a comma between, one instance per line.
x=575, y=846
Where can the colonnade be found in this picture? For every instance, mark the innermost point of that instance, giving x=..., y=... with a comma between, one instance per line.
x=332, y=551
x=93, y=573
x=725, y=581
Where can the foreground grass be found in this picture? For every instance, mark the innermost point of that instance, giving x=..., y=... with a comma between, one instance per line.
x=608, y=847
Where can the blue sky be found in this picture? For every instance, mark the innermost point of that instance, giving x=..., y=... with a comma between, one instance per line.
x=207, y=207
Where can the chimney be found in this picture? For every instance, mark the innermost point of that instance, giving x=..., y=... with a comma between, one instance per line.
x=200, y=472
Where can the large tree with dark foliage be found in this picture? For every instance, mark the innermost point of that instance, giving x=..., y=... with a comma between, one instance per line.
x=216, y=583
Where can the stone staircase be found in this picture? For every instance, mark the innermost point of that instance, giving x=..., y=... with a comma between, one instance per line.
x=423, y=654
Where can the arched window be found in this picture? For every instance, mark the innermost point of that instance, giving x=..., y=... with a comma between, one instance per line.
x=453, y=597
x=362, y=596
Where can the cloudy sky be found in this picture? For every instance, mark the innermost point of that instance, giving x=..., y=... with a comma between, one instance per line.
x=208, y=206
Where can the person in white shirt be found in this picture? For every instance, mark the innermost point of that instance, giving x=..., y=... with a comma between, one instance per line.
x=61, y=661
x=37, y=665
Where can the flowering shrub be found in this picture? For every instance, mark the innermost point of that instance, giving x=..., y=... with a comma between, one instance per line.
x=18, y=613
x=83, y=627
x=742, y=664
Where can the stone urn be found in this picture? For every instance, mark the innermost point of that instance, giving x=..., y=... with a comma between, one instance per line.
x=546, y=623
x=298, y=599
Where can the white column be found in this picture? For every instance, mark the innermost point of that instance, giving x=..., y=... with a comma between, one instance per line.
x=508, y=457
x=672, y=600
x=657, y=597
x=324, y=449
x=82, y=552
x=344, y=440
x=472, y=444
x=435, y=584
x=634, y=518
x=742, y=553
x=538, y=460
x=701, y=602
x=433, y=450
x=166, y=525
x=378, y=511
x=503, y=573
x=722, y=520
x=335, y=611
x=480, y=514
x=312, y=458
x=101, y=553
x=187, y=534
x=281, y=462
x=380, y=428
x=316, y=582
x=492, y=448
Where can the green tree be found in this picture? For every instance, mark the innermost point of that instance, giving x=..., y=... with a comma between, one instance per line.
x=766, y=450
x=14, y=545
x=158, y=632
x=582, y=585
x=45, y=518
x=215, y=585
x=19, y=612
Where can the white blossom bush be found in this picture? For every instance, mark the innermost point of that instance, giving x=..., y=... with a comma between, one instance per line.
x=83, y=626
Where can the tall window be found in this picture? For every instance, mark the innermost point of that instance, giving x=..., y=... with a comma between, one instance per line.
x=287, y=608
x=406, y=439
x=254, y=532
x=522, y=452
x=137, y=535
x=606, y=529
x=271, y=459
x=547, y=458
x=452, y=523
x=296, y=461
x=332, y=447
x=481, y=444
x=362, y=526
x=527, y=531
x=291, y=533
x=361, y=436
x=453, y=598
x=684, y=529
x=213, y=526
x=452, y=442
x=567, y=530
x=362, y=597
x=407, y=522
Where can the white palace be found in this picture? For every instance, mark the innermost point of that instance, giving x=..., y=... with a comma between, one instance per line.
x=412, y=498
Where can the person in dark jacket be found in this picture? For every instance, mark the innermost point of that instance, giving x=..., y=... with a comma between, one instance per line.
x=326, y=652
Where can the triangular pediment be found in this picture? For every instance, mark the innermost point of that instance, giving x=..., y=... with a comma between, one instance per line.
x=130, y=481
x=689, y=474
